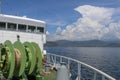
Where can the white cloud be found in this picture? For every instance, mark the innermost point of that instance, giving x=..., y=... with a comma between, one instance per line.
x=58, y=31
x=95, y=23
x=99, y=14
x=47, y=33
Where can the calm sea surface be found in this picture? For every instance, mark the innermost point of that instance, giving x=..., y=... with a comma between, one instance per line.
x=106, y=59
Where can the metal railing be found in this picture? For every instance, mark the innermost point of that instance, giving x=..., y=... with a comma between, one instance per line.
x=80, y=68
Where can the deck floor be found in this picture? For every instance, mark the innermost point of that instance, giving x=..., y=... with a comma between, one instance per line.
x=52, y=76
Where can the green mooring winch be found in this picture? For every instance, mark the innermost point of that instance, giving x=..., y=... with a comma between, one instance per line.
x=20, y=60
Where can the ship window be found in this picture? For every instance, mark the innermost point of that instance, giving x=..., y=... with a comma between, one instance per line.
x=21, y=27
x=11, y=26
x=40, y=29
x=31, y=28
x=2, y=25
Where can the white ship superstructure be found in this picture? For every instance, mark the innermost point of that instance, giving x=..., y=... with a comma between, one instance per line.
x=27, y=29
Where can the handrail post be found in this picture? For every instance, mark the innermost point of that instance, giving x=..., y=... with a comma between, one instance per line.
x=95, y=75
x=60, y=59
x=48, y=58
x=79, y=71
x=54, y=60
x=68, y=64
x=103, y=77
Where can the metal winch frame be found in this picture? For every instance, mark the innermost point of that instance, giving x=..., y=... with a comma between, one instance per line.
x=20, y=60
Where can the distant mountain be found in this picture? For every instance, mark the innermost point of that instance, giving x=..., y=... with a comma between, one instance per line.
x=90, y=43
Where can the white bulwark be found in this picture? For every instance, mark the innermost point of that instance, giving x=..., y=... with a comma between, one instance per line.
x=28, y=29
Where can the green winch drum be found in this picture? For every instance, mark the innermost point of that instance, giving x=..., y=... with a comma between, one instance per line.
x=31, y=57
x=21, y=69
x=38, y=56
x=20, y=60
x=8, y=59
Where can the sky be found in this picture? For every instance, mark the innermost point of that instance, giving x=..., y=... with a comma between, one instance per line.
x=75, y=20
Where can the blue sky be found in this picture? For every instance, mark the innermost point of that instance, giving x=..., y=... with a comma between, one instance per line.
x=59, y=14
